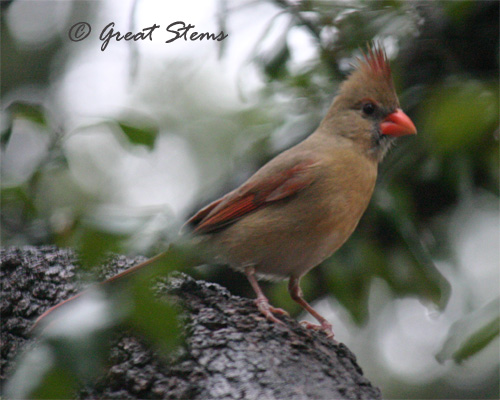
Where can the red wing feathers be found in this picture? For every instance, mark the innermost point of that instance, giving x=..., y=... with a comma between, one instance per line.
x=198, y=217
x=290, y=186
x=253, y=195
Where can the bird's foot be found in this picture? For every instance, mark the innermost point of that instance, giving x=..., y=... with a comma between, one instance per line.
x=278, y=311
x=268, y=310
x=325, y=326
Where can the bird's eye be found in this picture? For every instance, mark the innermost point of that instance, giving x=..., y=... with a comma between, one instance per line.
x=369, y=108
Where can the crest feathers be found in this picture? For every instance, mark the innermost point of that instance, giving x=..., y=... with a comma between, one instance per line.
x=375, y=62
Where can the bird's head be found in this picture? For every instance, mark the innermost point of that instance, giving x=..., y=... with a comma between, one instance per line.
x=367, y=108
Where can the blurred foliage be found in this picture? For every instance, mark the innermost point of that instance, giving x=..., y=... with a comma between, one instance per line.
x=472, y=333
x=474, y=106
x=444, y=56
x=72, y=350
x=156, y=320
x=73, y=346
x=95, y=245
x=30, y=112
x=145, y=136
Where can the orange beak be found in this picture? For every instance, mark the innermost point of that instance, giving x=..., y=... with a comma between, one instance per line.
x=398, y=124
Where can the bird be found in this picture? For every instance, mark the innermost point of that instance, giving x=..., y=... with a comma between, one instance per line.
x=303, y=205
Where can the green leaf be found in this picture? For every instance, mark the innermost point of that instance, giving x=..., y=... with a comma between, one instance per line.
x=275, y=61
x=30, y=111
x=458, y=115
x=58, y=383
x=37, y=376
x=140, y=135
x=16, y=197
x=95, y=244
x=471, y=334
x=155, y=318
x=5, y=136
x=458, y=9
x=136, y=128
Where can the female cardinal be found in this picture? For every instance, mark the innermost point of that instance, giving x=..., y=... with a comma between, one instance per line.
x=301, y=206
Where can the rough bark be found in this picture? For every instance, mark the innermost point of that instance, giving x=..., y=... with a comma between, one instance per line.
x=230, y=350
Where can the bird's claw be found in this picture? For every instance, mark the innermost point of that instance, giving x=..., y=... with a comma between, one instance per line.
x=268, y=310
x=325, y=327
x=278, y=311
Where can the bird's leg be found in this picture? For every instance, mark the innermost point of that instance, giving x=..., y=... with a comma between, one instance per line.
x=296, y=294
x=261, y=301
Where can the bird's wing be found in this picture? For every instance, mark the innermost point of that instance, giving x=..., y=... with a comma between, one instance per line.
x=256, y=193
